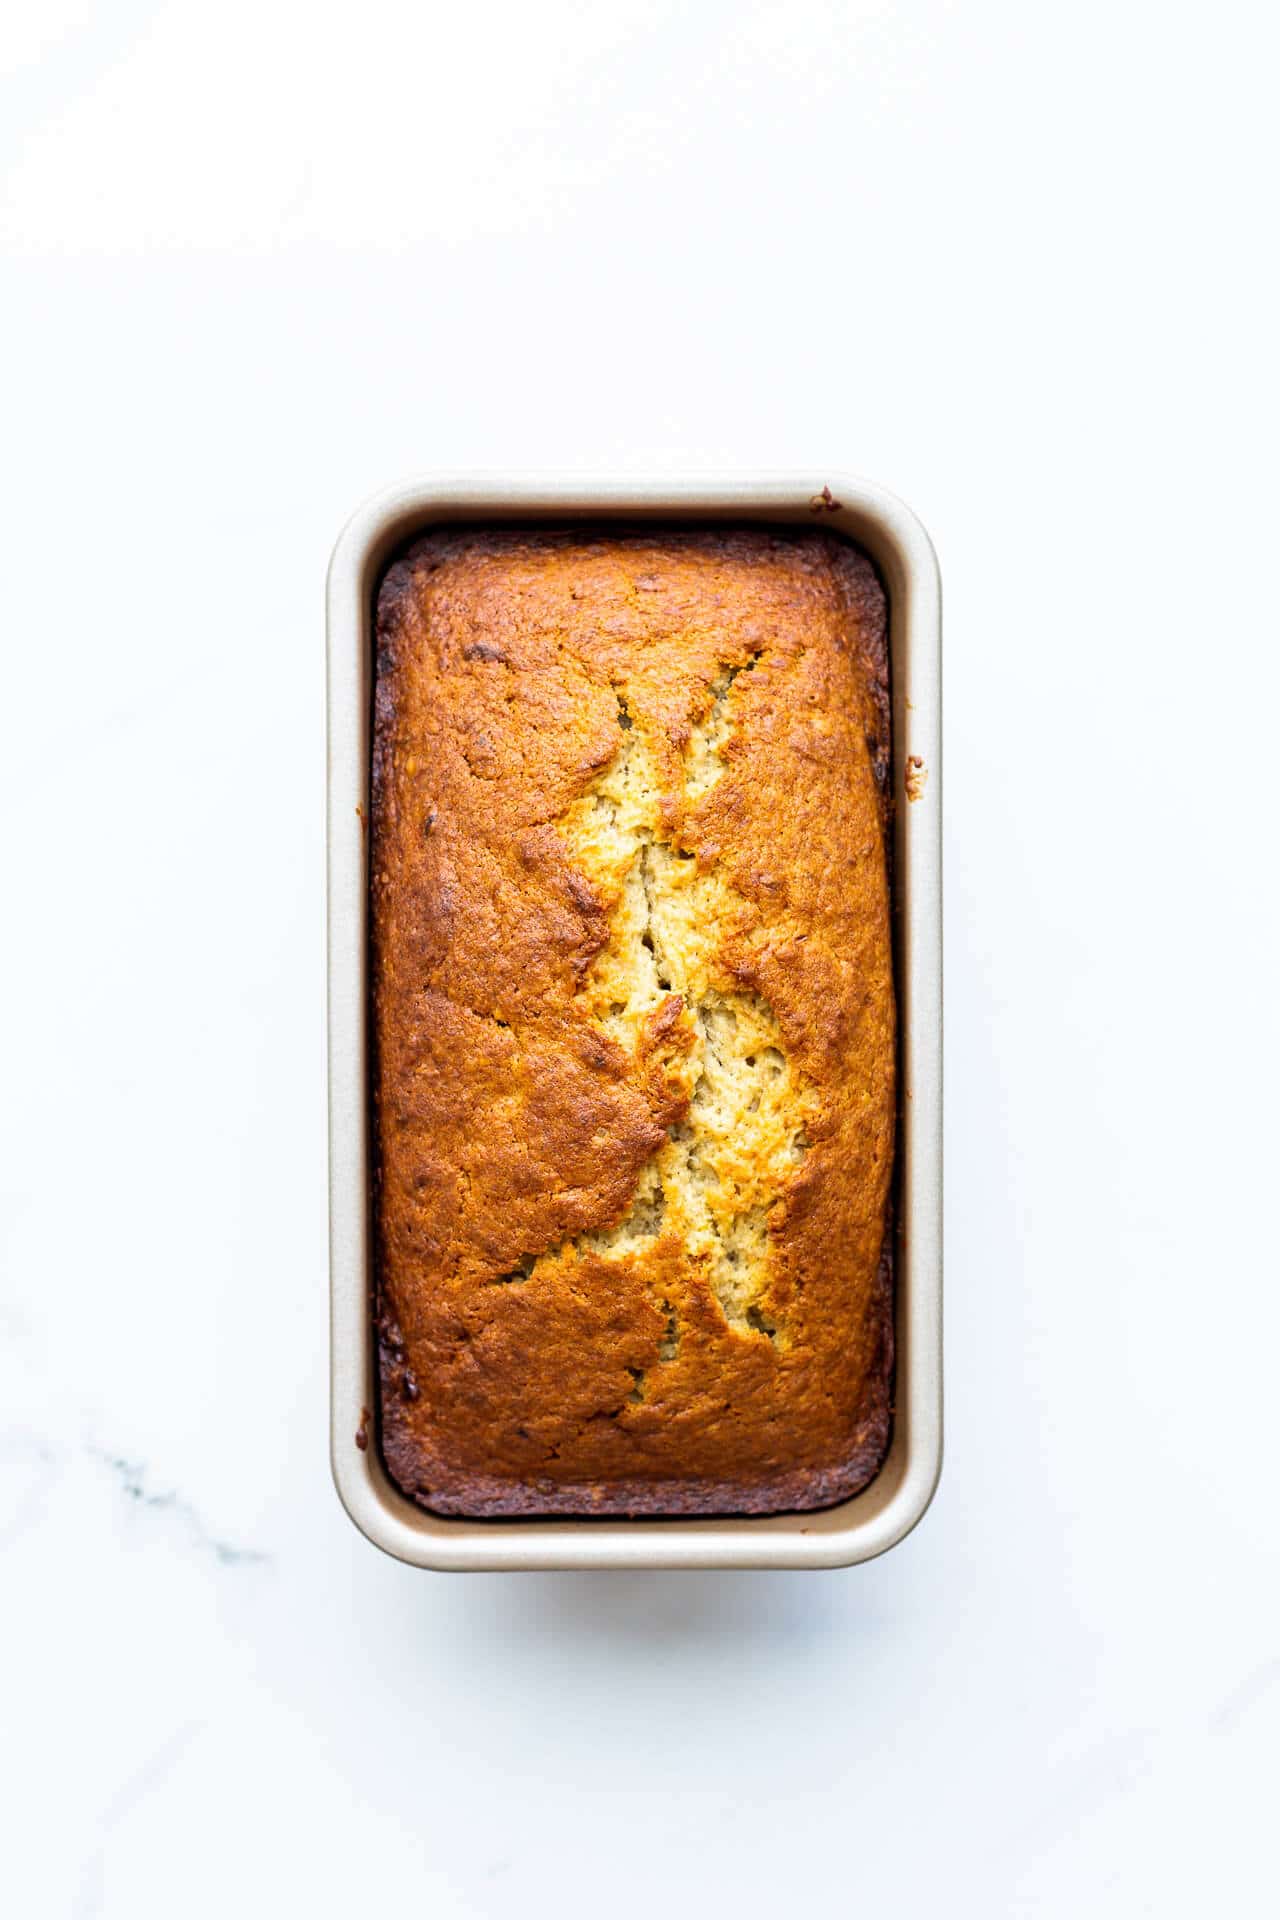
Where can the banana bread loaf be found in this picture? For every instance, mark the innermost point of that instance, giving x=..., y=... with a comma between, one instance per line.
x=633, y=1022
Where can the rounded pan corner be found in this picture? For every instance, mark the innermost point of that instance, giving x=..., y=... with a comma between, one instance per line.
x=355, y=1495
x=911, y=1502
x=367, y=1502
x=858, y=495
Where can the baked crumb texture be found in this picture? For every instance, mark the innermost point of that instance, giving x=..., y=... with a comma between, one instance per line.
x=633, y=1023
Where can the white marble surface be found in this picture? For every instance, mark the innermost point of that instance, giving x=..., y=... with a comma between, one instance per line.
x=260, y=259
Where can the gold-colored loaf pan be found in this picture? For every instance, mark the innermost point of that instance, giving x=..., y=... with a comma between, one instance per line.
x=603, y=837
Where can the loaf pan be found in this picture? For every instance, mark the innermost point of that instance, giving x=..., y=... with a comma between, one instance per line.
x=890, y=1506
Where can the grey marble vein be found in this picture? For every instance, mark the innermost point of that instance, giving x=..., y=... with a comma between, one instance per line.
x=132, y=1478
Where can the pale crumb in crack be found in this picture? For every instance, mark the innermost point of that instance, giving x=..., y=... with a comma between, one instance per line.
x=643, y=1221
x=637, y=1383
x=704, y=756
x=728, y=1163
x=699, y=1170
x=723, y=1168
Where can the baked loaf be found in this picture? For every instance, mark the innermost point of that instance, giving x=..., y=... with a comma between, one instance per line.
x=633, y=1022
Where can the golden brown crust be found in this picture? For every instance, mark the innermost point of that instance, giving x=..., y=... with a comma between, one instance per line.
x=708, y=712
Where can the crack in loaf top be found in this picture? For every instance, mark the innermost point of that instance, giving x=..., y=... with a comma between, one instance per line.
x=633, y=1021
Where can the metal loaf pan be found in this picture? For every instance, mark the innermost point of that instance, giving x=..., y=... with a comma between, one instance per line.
x=895, y=1500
